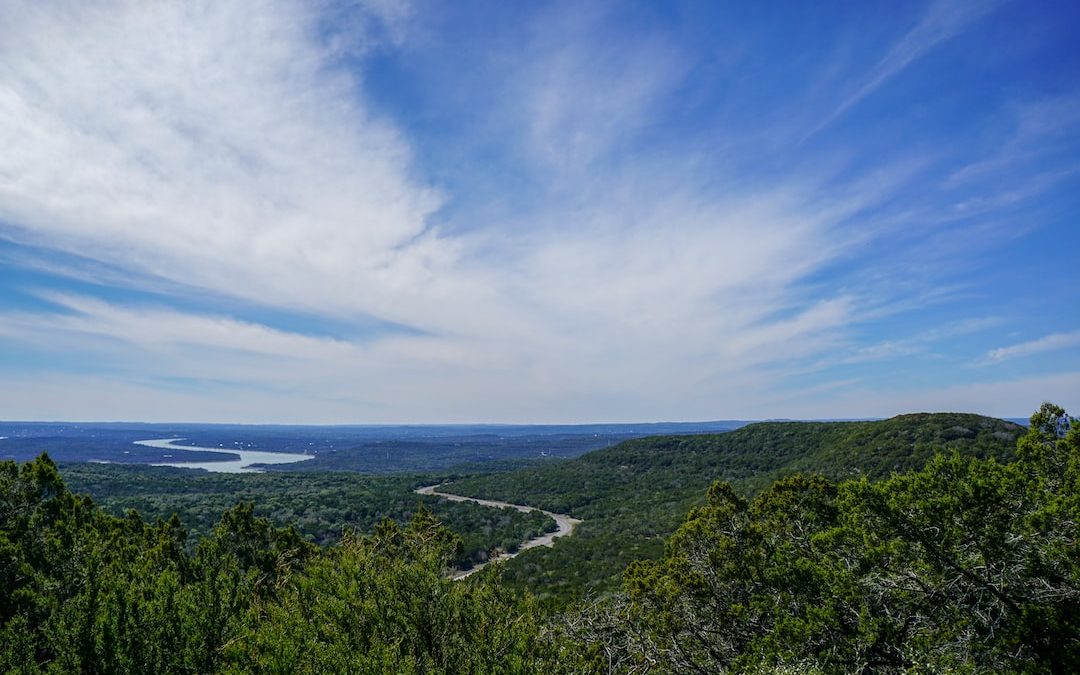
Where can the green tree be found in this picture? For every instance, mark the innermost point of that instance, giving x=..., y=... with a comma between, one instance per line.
x=967, y=565
x=382, y=604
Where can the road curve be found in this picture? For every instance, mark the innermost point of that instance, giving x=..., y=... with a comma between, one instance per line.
x=565, y=525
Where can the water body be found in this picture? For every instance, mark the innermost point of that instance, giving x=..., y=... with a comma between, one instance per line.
x=242, y=465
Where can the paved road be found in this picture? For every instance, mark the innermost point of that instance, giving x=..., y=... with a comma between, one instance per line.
x=565, y=523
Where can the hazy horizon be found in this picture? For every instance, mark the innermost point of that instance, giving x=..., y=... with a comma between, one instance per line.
x=594, y=423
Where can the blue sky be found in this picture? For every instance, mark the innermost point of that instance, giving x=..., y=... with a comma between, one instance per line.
x=380, y=212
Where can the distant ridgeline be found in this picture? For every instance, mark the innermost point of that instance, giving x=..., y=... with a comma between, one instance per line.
x=635, y=494
x=366, y=448
x=891, y=557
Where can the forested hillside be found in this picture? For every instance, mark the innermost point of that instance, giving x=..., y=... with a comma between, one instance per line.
x=968, y=564
x=83, y=591
x=632, y=496
x=322, y=506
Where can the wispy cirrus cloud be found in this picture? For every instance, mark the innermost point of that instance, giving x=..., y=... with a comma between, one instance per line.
x=994, y=397
x=627, y=254
x=943, y=20
x=579, y=98
x=1041, y=133
x=242, y=159
x=152, y=327
x=1047, y=343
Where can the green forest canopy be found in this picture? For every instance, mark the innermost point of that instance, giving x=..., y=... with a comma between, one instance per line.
x=634, y=495
x=967, y=564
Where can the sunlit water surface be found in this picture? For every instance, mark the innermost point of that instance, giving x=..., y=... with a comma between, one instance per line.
x=242, y=465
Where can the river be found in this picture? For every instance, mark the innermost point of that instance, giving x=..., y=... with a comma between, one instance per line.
x=242, y=465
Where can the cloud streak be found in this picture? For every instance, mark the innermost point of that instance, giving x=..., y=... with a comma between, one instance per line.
x=943, y=20
x=1047, y=343
x=206, y=169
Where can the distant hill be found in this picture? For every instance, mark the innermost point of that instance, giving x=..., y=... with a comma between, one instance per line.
x=634, y=494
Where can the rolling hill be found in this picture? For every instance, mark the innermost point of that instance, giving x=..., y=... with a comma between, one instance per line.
x=633, y=495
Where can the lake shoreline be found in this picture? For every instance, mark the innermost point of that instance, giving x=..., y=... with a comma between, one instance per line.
x=248, y=461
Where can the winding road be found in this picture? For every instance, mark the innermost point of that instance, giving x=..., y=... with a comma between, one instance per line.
x=565, y=525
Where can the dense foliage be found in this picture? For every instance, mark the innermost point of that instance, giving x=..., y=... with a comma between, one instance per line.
x=321, y=506
x=634, y=495
x=83, y=591
x=967, y=564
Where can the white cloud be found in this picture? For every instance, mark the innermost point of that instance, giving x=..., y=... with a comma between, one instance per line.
x=157, y=327
x=76, y=397
x=215, y=144
x=222, y=147
x=1003, y=398
x=899, y=347
x=1038, y=133
x=1048, y=343
x=578, y=97
x=943, y=20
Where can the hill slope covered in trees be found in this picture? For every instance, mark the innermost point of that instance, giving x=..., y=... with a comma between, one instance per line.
x=632, y=496
x=964, y=565
x=322, y=506
x=967, y=565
